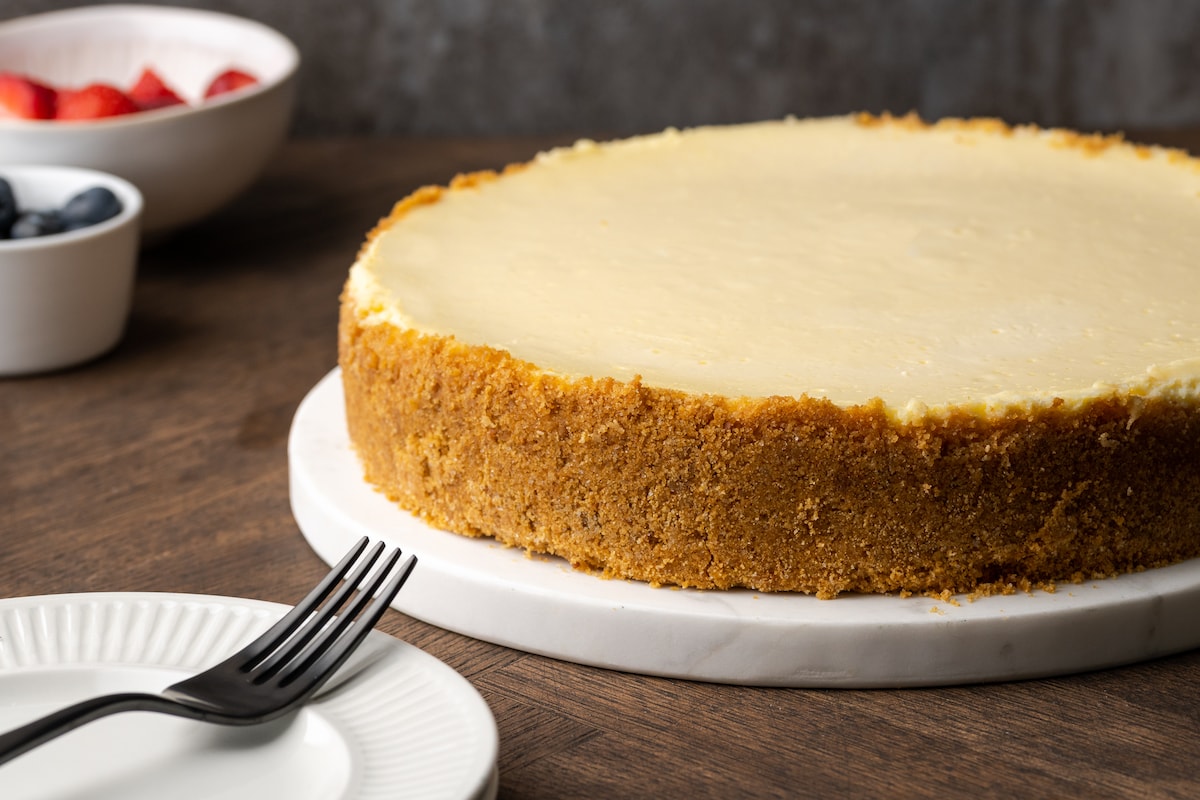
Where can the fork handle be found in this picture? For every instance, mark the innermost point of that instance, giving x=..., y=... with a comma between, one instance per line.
x=25, y=738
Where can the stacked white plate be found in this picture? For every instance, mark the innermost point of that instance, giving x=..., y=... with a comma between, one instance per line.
x=394, y=723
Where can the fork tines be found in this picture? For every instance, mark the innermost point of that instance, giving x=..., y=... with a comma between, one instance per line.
x=316, y=635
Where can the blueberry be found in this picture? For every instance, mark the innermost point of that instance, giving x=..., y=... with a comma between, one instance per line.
x=8, y=208
x=36, y=223
x=89, y=207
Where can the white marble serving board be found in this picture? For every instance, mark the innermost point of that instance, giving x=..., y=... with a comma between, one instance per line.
x=540, y=605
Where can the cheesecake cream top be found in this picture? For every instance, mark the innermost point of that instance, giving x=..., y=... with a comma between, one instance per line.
x=960, y=265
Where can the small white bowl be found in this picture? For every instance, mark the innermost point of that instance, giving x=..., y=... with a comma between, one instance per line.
x=187, y=160
x=65, y=298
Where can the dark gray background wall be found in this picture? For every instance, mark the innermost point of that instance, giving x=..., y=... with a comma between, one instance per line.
x=621, y=66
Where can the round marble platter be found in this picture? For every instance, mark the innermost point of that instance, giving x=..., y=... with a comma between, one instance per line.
x=537, y=604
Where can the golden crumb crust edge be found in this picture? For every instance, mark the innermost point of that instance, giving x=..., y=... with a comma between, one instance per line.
x=772, y=494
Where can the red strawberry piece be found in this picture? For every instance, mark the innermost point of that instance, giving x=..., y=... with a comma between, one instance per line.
x=151, y=92
x=228, y=81
x=95, y=101
x=26, y=98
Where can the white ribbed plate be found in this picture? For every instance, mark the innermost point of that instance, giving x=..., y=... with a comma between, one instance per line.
x=394, y=723
x=541, y=605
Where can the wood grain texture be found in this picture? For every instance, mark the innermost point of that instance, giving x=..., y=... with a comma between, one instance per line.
x=162, y=467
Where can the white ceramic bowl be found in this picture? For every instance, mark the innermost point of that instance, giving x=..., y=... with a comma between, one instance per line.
x=188, y=160
x=64, y=298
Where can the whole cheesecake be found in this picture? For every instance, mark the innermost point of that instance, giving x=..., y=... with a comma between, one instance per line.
x=863, y=354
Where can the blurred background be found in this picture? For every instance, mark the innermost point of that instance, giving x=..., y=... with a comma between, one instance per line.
x=481, y=67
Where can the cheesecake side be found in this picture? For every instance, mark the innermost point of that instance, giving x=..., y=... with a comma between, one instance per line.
x=776, y=494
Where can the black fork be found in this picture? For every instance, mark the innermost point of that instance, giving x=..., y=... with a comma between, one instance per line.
x=272, y=675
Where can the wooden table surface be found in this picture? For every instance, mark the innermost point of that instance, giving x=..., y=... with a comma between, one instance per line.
x=163, y=467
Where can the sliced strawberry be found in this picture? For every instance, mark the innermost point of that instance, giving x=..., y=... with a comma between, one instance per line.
x=151, y=92
x=23, y=97
x=95, y=101
x=228, y=81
